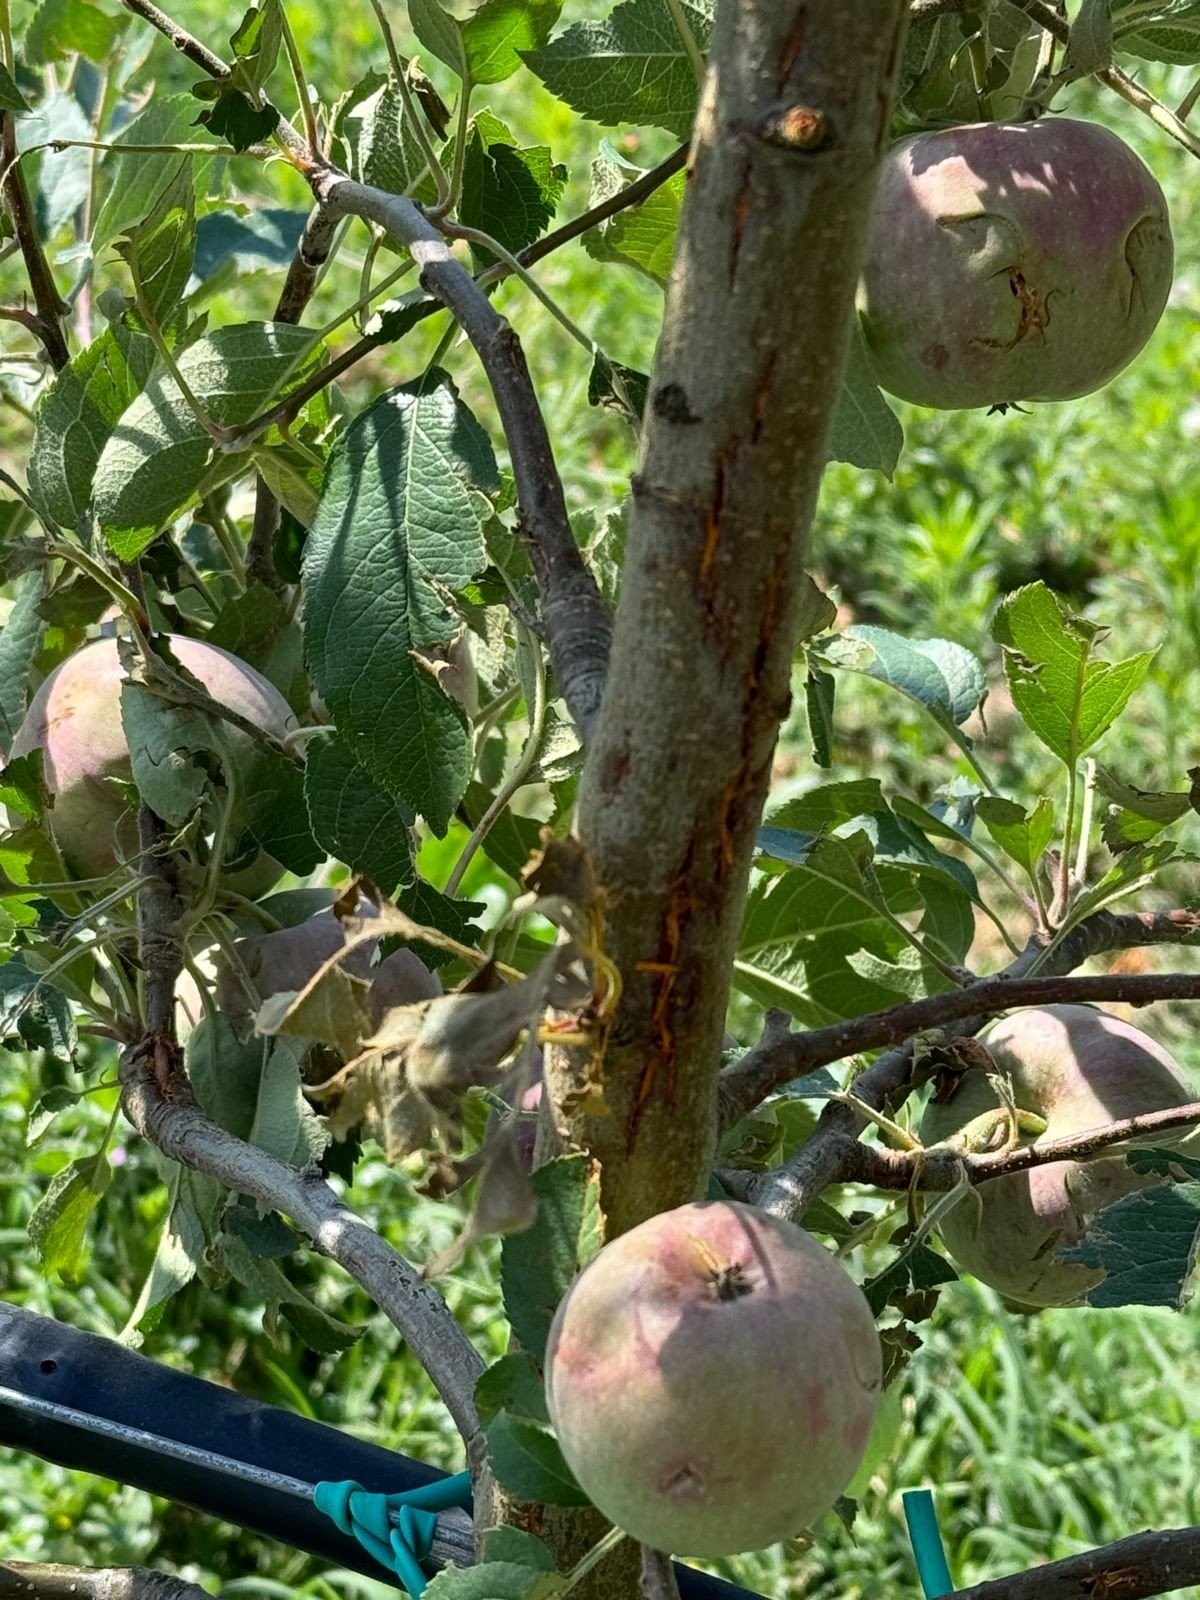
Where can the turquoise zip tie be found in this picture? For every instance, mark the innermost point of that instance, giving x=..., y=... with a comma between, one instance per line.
x=396, y=1530
x=928, y=1550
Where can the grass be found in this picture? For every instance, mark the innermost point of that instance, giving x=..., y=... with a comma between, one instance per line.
x=1043, y=1435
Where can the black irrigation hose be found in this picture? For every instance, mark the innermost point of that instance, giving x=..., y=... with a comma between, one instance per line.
x=49, y=1372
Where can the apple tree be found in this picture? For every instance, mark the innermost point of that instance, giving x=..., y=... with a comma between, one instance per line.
x=297, y=592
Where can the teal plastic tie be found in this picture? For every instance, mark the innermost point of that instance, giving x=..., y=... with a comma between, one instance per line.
x=396, y=1530
x=928, y=1550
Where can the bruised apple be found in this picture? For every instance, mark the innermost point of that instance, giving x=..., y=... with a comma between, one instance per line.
x=1012, y=261
x=1079, y=1068
x=75, y=721
x=712, y=1377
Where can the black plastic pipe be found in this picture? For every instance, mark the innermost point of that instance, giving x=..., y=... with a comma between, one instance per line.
x=44, y=1361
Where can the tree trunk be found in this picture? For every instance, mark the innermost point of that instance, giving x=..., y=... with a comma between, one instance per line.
x=792, y=125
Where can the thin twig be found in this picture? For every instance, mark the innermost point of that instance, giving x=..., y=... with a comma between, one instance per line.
x=631, y=195
x=311, y=253
x=940, y=1167
x=788, y=1189
x=51, y=307
x=1119, y=82
x=658, y=1581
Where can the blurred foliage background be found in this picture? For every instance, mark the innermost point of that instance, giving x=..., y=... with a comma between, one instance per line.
x=1043, y=1434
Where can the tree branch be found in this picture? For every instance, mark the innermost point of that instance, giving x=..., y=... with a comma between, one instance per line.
x=921, y=10
x=631, y=195
x=35, y=1580
x=158, y=1100
x=794, y=1054
x=1145, y=1564
x=1119, y=82
x=51, y=308
x=311, y=254
x=789, y=1189
x=178, y=1128
x=941, y=1166
x=574, y=615
x=658, y=1576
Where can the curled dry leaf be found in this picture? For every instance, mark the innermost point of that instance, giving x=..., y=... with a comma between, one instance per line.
x=561, y=887
x=504, y=1202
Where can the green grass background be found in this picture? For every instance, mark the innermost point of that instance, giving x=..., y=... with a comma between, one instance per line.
x=1043, y=1435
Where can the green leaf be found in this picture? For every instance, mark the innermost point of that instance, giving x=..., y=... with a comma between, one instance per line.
x=1173, y=36
x=60, y=178
x=1090, y=43
x=225, y=1072
x=22, y=786
x=1135, y=869
x=512, y=1384
x=396, y=531
x=865, y=431
x=256, y=42
x=381, y=145
x=642, y=236
x=163, y=740
x=630, y=68
x=449, y=915
x=355, y=819
x=1021, y=834
x=801, y=928
x=1146, y=1243
x=139, y=181
x=922, y=1269
x=264, y=238
x=59, y=28
x=77, y=414
x=511, y=839
x=494, y=1580
x=829, y=805
x=237, y=117
x=254, y=625
x=1064, y=696
x=937, y=673
x=195, y=1202
x=277, y=816
x=618, y=388
x=500, y=30
x=33, y=1014
x=516, y=1546
x=59, y=1222
x=440, y=33
x=318, y=1330
x=539, y=1265
x=527, y=1461
x=160, y=249
x=1138, y=815
x=819, y=688
x=159, y=454
x=11, y=98
x=509, y=193
x=20, y=639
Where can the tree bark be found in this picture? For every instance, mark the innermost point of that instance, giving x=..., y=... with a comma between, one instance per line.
x=28, y=1580
x=793, y=121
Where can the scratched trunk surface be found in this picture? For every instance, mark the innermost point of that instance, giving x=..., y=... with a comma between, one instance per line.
x=792, y=125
